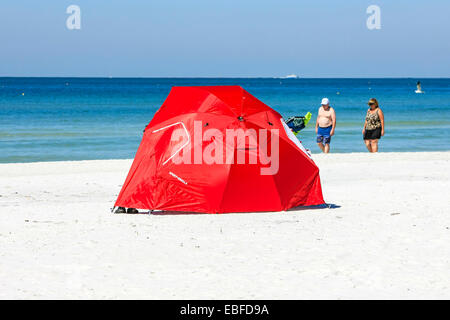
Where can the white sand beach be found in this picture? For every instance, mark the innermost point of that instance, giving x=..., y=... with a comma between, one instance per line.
x=386, y=235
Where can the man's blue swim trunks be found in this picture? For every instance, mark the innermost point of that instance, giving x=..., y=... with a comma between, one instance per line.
x=323, y=135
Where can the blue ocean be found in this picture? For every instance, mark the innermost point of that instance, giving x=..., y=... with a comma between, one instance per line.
x=51, y=119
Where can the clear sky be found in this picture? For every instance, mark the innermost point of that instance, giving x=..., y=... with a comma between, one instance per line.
x=225, y=38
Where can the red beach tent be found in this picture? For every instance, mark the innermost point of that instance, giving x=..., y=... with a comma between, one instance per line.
x=218, y=149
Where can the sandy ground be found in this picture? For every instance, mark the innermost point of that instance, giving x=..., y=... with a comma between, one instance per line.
x=386, y=236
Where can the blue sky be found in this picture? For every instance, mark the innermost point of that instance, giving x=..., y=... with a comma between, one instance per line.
x=207, y=38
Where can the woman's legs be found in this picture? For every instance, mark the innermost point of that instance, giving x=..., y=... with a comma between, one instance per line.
x=368, y=145
x=374, y=145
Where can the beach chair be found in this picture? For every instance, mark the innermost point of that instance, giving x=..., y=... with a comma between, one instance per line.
x=298, y=123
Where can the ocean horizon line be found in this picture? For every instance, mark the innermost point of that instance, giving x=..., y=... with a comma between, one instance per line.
x=217, y=77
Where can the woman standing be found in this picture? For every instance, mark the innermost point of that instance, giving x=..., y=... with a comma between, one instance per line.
x=373, y=126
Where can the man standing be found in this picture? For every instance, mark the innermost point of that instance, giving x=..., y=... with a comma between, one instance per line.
x=325, y=125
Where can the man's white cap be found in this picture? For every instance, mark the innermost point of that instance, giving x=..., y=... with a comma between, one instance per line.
x=325, y=101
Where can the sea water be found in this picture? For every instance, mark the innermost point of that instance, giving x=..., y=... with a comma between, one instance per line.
x=49, y=119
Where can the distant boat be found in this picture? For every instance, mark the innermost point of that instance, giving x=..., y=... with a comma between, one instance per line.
x=291, y=76
x=419, y=88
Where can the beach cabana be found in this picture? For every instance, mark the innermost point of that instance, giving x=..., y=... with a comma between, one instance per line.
x=219, y=149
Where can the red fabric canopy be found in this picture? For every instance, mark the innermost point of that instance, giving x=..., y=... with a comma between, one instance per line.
x=178, y=130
